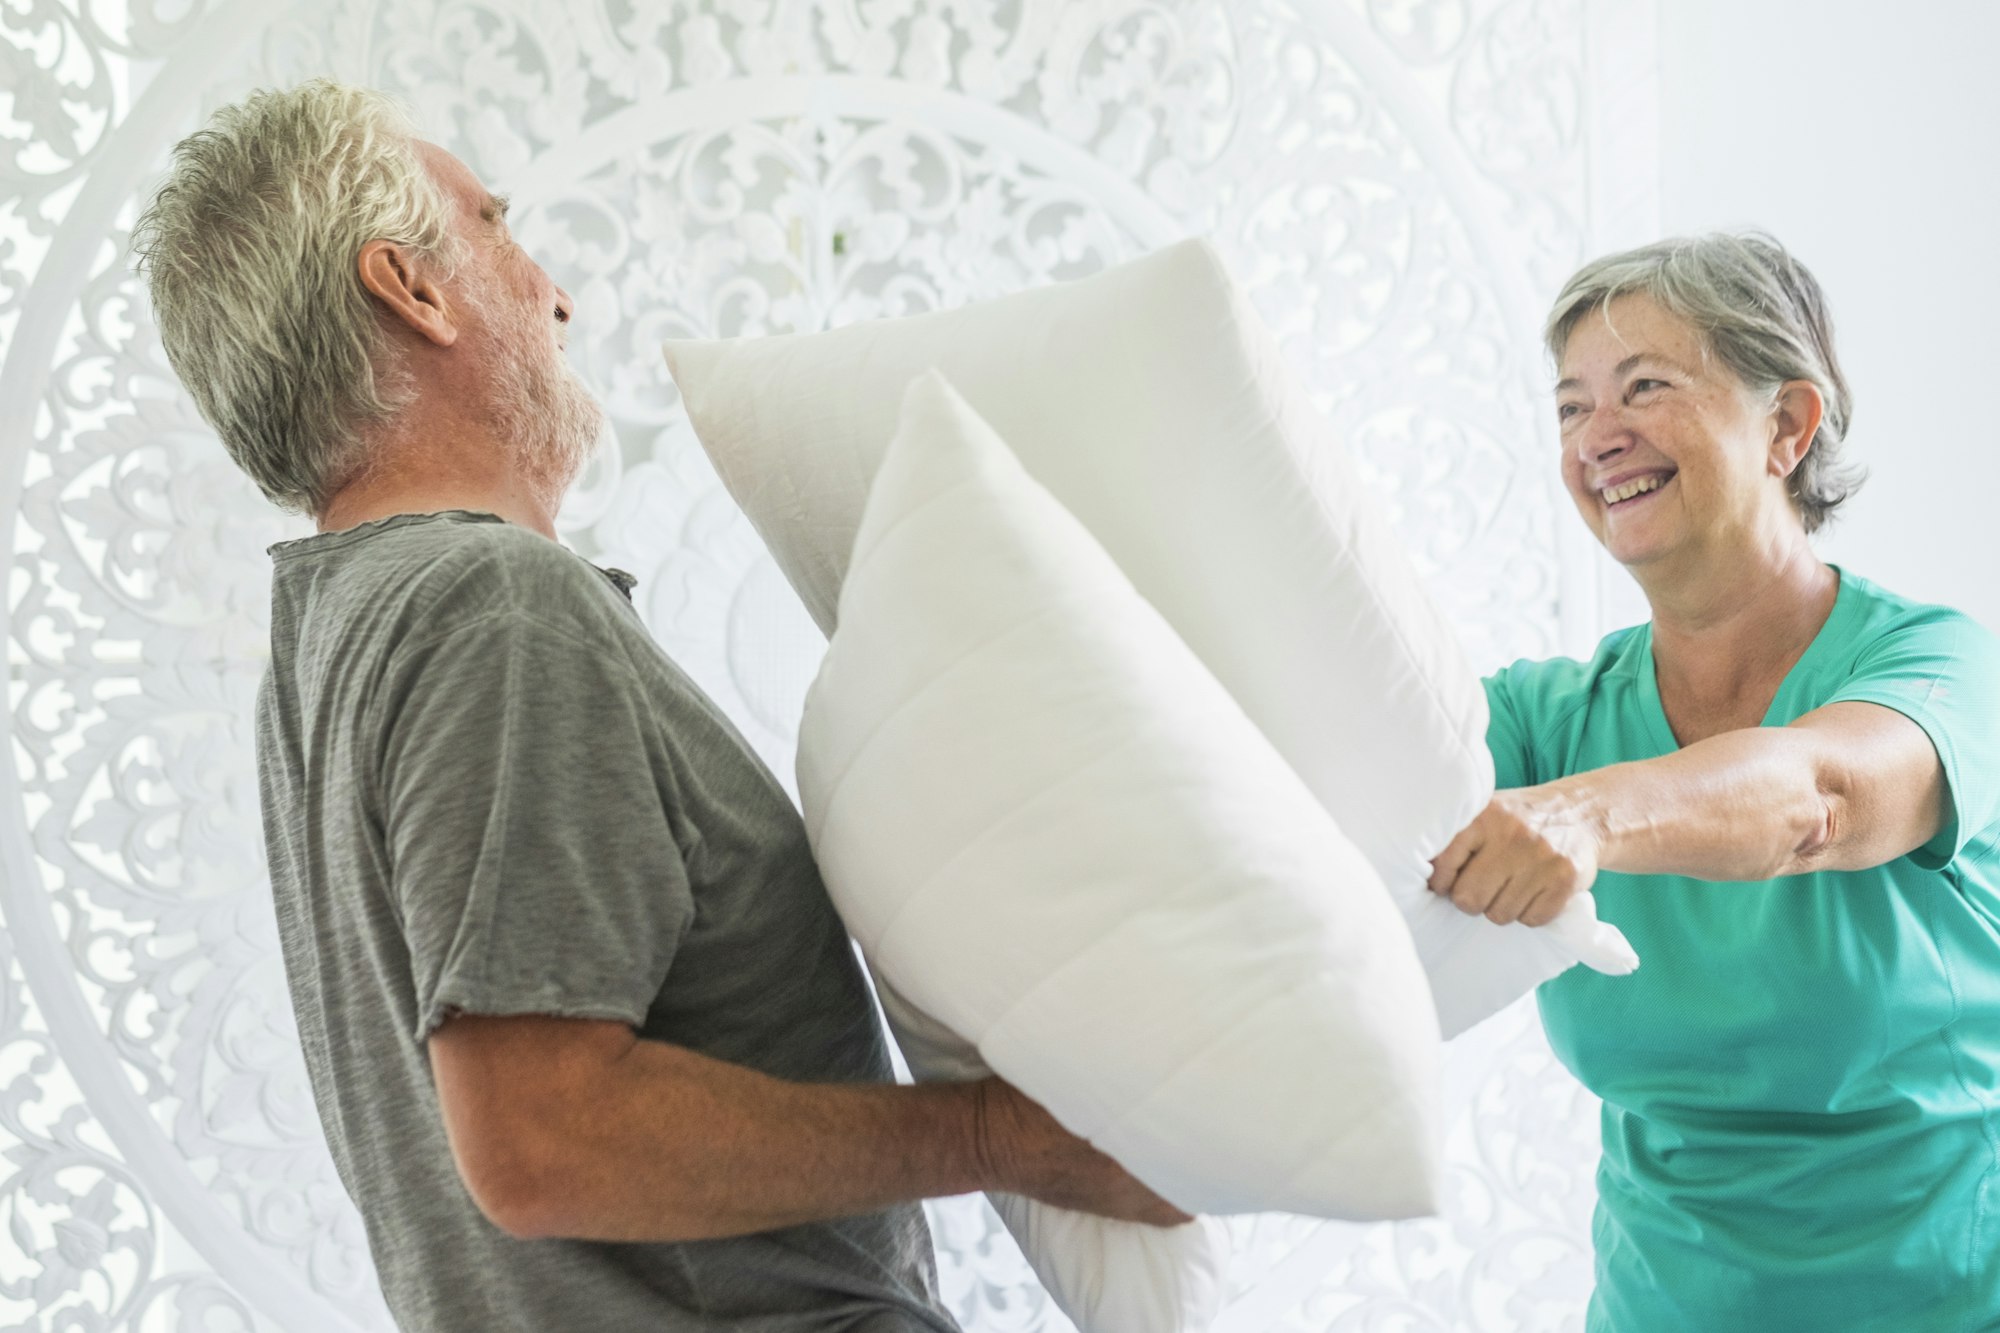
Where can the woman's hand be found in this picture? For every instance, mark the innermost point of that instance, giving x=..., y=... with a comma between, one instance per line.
x=1527, y=854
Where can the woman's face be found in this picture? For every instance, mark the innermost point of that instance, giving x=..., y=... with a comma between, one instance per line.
x=1664, y=450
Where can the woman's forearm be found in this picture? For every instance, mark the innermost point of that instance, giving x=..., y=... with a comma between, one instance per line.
x=1742, y=805
x=1844, y=787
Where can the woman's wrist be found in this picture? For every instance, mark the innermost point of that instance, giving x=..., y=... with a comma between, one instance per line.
x=1592, y=807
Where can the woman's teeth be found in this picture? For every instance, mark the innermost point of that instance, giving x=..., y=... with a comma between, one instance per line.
x=1637, y=486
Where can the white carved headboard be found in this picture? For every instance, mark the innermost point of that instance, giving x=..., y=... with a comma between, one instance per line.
x=1402, y=184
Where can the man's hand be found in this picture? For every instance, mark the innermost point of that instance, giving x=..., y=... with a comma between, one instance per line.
x=1523, y=858
x=1029, y=1153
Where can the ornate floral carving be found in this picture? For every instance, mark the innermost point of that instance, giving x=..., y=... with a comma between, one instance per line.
x=1397, y=181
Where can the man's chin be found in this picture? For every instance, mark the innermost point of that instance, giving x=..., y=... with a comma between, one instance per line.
x=570, y=452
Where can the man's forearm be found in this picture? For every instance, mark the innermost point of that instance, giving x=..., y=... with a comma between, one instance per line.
x=1742, y=805
x=673, y=1145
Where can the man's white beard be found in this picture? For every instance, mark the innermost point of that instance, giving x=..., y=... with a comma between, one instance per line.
x=540, y=406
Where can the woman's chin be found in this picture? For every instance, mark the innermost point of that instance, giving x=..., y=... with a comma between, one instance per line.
x=1633, y=550
x=1639, y=537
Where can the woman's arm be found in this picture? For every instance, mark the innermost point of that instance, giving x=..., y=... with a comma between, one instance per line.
x=1846, y=786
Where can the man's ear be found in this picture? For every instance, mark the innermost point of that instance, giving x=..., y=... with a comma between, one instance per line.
x=389, y=272
x=1795, y=419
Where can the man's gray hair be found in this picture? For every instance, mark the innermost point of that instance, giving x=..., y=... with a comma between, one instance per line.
x=1759, y=311
x=250, y=252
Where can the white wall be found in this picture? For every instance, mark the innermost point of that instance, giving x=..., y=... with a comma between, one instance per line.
x=1861, y=135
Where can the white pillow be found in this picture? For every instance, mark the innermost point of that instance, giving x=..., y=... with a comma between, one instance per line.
x=1108, y=1277
x=1153, y=404
x=1053, y=832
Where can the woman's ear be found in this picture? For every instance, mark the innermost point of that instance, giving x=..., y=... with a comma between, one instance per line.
x=1795, y=418
x=392, y=276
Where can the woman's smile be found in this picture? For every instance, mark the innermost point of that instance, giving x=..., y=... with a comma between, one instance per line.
x=1635, y=493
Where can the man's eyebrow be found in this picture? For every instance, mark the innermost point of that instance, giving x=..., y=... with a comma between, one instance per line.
x=495, y=208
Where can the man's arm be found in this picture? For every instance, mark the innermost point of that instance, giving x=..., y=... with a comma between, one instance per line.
x=579, y=1128
x=1845, y=787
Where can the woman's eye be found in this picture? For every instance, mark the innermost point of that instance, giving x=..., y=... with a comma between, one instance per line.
x=1642, y=386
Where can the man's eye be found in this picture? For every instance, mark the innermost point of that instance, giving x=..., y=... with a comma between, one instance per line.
x=1564, y=411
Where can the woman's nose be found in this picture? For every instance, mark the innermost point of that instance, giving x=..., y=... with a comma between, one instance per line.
x=1603, y=434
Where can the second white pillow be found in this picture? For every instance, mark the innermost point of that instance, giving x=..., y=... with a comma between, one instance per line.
x=1051, y=830
x=1155, y=407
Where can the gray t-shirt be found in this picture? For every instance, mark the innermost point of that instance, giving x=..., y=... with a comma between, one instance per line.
x=486, y=788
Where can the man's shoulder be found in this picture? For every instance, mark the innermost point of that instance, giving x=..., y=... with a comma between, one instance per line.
x=410, y=590
x=491, y=566
x=452, y=569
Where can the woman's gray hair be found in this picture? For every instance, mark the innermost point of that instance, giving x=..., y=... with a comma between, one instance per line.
x=249, y=250
x=1759, y=311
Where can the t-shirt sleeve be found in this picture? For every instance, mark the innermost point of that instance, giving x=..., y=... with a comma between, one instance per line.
x=1507, y=733
x=1942, y=671
x=526, y=812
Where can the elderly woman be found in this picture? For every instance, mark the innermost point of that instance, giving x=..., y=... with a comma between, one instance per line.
x=1785, y=789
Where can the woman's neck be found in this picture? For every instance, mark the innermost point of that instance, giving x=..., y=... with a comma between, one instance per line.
x=1727, y=636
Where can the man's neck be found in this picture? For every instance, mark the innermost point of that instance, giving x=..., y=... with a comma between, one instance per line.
x=373, y=497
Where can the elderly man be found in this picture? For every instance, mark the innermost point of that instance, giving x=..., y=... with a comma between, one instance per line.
x=589, y=1044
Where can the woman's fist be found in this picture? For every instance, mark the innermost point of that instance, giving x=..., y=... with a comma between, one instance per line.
x=1523, y=858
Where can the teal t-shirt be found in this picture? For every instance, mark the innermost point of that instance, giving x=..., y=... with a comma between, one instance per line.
x=1801, y=1083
